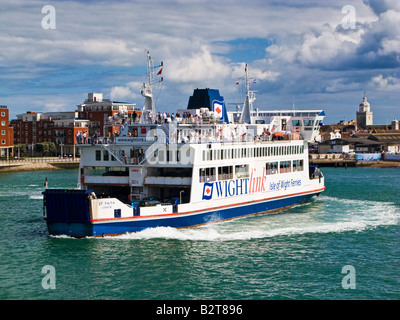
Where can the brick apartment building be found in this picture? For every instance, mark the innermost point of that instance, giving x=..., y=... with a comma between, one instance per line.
x=61, y=128
x=98, y=110
x=6, y=133
x=58, y=127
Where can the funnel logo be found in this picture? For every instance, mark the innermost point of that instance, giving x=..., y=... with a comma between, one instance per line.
x=207, y=191
x=218, y=107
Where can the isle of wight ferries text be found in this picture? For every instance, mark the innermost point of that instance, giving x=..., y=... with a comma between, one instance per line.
x=240, y=186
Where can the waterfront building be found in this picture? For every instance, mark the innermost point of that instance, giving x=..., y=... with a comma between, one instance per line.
x=347, y=145
x=6, y=133
x=100, y=112
x=395, y=125
x=60, y=128
x=68, y=129
x=364, y=115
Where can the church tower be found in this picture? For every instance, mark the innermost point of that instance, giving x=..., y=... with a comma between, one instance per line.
x=364, y=115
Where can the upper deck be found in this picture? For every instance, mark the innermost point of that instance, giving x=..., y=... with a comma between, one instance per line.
x=201, y=126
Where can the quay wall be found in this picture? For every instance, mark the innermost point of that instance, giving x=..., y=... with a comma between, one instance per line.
x=349, y=160
x=38, y=164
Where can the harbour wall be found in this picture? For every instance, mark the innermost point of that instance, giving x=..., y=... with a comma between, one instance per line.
x=350, y=160
x=38, y=164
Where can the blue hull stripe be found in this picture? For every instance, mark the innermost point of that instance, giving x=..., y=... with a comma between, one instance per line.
x=176, y=221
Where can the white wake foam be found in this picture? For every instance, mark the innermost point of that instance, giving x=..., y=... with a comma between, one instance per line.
x=325, y=215
x=36, y=197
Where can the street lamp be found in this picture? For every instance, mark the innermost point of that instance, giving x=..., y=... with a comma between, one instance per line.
x=180, y=196
x=62, y=145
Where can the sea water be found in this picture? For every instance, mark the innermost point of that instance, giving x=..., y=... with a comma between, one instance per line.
x=344, y=244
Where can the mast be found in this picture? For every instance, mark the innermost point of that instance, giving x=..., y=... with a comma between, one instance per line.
x=147, y=88
x=248, y=100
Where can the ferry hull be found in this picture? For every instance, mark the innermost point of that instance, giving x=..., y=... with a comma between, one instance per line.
x=181, y=220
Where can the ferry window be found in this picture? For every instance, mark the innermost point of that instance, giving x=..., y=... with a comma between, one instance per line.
x=208, y=155
x=225, y=173
x=98, y=155
x=284, y=166
x=242, y=171
x=207, y=174
x=137, y=155
x=105, y=155
x=95, y=171
x=308, y=123
x=298, y=165
x=109, y=171
x=296, y=123
x=283, y=124
x=271, y=167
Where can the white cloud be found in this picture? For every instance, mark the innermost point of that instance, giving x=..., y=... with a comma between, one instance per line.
x=128, y=92
x=201, y=67
x=387, y=84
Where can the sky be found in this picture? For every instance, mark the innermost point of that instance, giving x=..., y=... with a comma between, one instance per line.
x=307, y=54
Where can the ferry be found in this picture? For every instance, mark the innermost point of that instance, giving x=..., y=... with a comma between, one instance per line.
x=205, y=164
